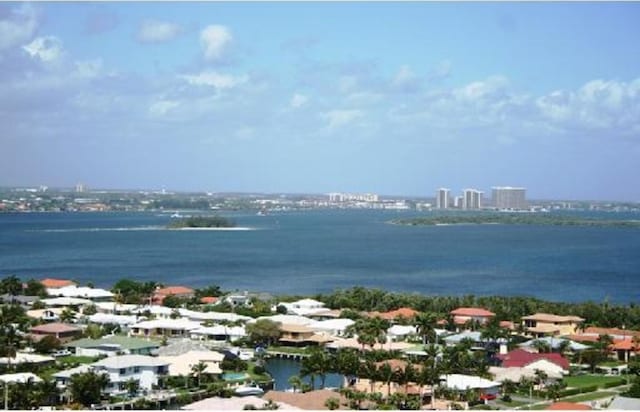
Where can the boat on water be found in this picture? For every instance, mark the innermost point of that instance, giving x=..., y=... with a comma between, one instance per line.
x=247, y=390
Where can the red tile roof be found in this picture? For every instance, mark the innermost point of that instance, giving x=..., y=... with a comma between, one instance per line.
x=175, y=290
x=593, y=330
x=392, y=314
x=313, y=400
x=56, y=283
x=625, y=344
x=519, y=358
x=473, y=312
x=568, y=406
x=507, y=324
x=208, y=299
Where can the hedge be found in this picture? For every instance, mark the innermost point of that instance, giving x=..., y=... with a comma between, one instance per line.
x=611, y=384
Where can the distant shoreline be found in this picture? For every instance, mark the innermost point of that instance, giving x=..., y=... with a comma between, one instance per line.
x=224, y=229
x=513, y=219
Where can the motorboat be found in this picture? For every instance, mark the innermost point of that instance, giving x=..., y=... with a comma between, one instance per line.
x=247, y=390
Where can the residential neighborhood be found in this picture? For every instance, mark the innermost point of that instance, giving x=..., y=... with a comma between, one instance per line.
x=147, y=346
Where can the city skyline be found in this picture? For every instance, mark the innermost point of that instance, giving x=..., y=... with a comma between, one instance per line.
x=297, y=98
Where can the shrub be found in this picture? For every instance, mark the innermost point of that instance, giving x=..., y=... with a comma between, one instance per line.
x=617, y=382
x=259, y=370
x=590, y=388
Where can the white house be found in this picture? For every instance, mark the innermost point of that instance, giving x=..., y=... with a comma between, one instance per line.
x=66, y=301
x=62, y=378
x=219, y=333
x=334, y=327
x=458, y=382
x=116, y=308
x=287, y=319
x=239, y=300
x=400, y=332
x=81, y=292
x=163, y=327
x=303, y=307
x=110, y=319
x=212, y=316
x=120, y=369
x=22, y=377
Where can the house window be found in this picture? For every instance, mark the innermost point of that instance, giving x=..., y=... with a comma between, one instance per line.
x=123, y=371
x=136, y=369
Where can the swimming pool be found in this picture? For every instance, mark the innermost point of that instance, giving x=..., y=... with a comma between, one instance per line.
x=234, y=376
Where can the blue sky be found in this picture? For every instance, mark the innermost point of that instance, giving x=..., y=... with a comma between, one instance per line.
x=313, y=97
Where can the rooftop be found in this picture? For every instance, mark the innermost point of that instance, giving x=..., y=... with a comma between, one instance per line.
x=548, y=317
x=55, y=328
x=124, y=342
x=128, y=361
x=313, y=400
x=56, y=283
x=472, y=312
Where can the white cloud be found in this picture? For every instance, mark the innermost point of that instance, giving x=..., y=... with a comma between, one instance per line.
x=405, y=79
x=214, y=40
x=495, y=85
x=161, y=107
x=89, y=68
x=47, y=48
x=152, y=31
x=298, y=100
x=215, y=79
x=339, y=118
x=18, y=28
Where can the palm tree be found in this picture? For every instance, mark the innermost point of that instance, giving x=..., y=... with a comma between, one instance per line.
x=541, y=346
x=385, y=373
x=197, y=370
x=295, y=382
x=425, y=324
x=540, y=378
x=369, y=371
x=132, y=386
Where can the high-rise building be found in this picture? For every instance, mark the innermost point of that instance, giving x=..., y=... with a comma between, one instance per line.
x=442, y=198
x=471, y=199
x=510, y=198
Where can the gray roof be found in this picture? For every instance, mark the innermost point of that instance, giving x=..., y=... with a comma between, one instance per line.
x=124, y=342
x=69, y=372
x=623, y=403
x=181, y=347
x=555, y=342
x=128, y=361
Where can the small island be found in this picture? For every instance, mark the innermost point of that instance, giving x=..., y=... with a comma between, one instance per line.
x=201, y=222
x=513, y=219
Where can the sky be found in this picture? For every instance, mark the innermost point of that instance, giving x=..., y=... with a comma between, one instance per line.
x=394, y=98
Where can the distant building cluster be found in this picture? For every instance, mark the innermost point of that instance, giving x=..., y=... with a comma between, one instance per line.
x=503, y=198
x=353, y=197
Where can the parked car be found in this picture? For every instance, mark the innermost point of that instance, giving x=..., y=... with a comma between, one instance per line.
x=61, y=352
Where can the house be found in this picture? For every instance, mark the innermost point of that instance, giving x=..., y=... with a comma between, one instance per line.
x=109, y=319
x=465, y=314
x=299, y=335
x=63, y=378
x=312, y=400
x=146, y=370
x=545, y=324
x=554, y=343
x=209, y=300
x=325, y=314
x=471, y=336
x=113, y=345
x=333, y=327
x=65, y=302
x=22, y=300
x=399, y=332
x=23, y=358
x=73, y=291
x=61, y=331
x=22, y=377
x=303, y=307
x=393, y=315
x=551, y=363
x=178, y=291
x=461, y=383
x=287, y=319
x=239, y=300
x=47, y=315
x=622, y=403
x=219, y=333
x=181, y=365
x=212, y=316
x=115, y=308
x=516, y=374
x=56, y=283
x=163, y=327
x=625, y=348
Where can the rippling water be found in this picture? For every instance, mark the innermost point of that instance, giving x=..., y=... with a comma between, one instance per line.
x=318, y=251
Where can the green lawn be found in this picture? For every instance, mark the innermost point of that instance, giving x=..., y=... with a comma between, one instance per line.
x=588, y=380
x=509, y=405
x=589, y=396
x=65, y=360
